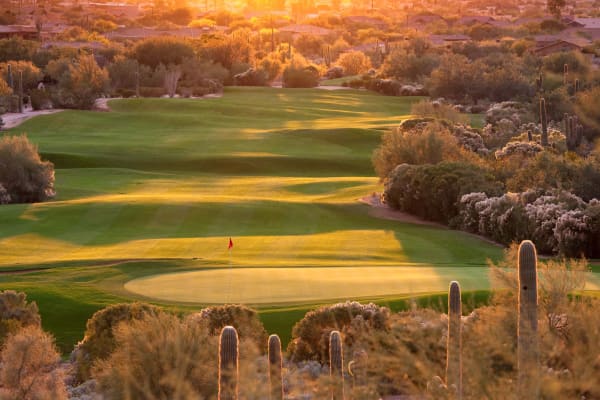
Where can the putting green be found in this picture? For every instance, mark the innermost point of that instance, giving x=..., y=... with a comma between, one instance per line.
x=297, y=285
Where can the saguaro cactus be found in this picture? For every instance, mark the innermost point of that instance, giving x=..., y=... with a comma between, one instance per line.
x=357, y=368
x=228, y=364
x=336, y=363
x=20, y=91
x=577, y=86
x=275, y=367
x=540, y=82
x=527, y=342
x=10, y=76
x=566, y=74
x=544, y=121
x=454, y=347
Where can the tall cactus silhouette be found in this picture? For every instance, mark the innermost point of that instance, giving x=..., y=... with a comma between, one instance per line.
x=9, y=76
x=228, y=364
x=527, y=341
x=275, y=367
x=336, y=366
x=566, y=74
x=544, y=121
x=454, y=347
x=357, y=368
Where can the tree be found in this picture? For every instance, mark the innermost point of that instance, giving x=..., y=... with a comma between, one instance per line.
x=25, y=176
x=30, y=367
x=171, y=79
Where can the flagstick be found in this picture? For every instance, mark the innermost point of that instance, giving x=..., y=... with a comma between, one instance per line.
x=229, y=250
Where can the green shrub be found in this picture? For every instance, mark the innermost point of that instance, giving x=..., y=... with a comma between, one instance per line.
x=99, y=341
x=433, y=192
x=25, y=176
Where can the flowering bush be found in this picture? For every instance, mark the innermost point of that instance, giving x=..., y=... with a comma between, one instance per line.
x=558, y=222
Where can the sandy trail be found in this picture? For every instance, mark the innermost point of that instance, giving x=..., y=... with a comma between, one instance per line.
x=12, y=120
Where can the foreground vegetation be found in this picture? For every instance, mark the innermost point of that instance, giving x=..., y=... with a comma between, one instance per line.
x=534, y=340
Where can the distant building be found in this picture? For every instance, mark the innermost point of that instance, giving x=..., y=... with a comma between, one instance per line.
x=558, y=46
x=366, y=21
x=22, y=31
x=446, y=40
x=297, y=30
x=145, y=33
x=474, y=20
x=420, y=21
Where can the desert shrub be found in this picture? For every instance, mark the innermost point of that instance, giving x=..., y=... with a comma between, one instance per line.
x=99, y=341
x=409, y=66
x=146, y=91
x=433, y=192
x=388, y=87
x=159, y=358
x=577, y=62
x=163, y=50
x=251, y=77
x=4, y=196
x=587, y=107
x=516, y=112
x=559, y=222
x=310, y=336
x=298, y=74
x=437, y=110
x=31, y=74
x=354, y=63
x=424, y=143
x=40, y=99
x=30, y=367
x=16, y=48
x=245, y=320
x=23, y=174
x=81, y=84
x=272, y=66
x=163, y=357
x=527, y=149
x=16, y=313
x=309, y=45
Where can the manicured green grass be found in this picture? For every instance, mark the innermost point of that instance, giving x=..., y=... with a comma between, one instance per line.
x=157, y=186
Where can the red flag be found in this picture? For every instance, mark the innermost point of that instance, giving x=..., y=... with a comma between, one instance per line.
x=230, y=244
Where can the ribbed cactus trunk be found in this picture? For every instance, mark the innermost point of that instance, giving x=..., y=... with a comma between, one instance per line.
x=357, y=368
x=275, y=368
x=454, y=347
x=9, y=77
x=20, y=91
x=527, y=341
x=544, y=121
x=336, y=366
x=228, y=364
x=566, y=74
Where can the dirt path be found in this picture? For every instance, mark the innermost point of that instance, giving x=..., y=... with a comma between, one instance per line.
x=381, y=210
x=12, y=120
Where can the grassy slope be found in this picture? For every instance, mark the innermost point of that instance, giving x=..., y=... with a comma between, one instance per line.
x=164, y=183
